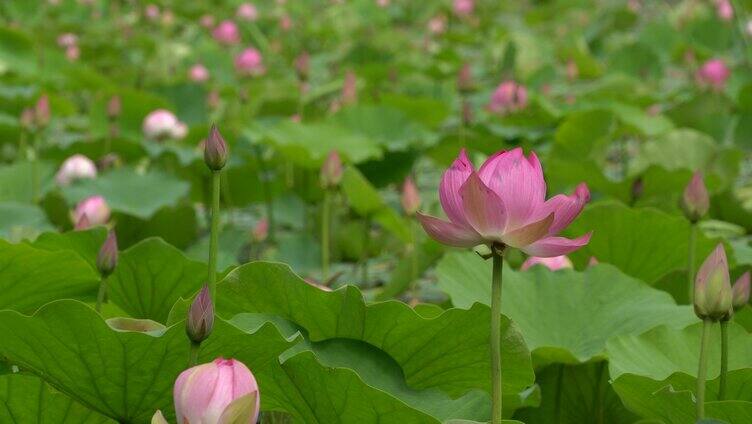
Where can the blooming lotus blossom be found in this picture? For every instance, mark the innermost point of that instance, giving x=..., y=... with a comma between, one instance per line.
x=247, y=12
x=463, y=7
x=713, y=298
x=198, y=73
x=714, y=73
x=95, y=211
x=203, y=393
x=74, y=168
x=226, y=33
x=161, y=124
x=508, y=97
x=249, y=62
x=504, y=202
x=554, y=263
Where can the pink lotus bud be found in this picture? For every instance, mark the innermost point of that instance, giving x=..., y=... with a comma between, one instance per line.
x=200, y=320
x=72, y=53
x=593, y=261
x=247, y=12
x=554, y=264
x=42, y=111
x=303, y=65
x=331, y=171
x=206, y=393
x=508, y=97
x=206, y=21
x=249, y=62
x=463, y=7
x=410, y=197
x=67, y=39
x=714, y=73
x=74, y=168
x=740, y=291
x=151, y=12
x=161, y=124
x=261, y=230
x=215, y=151
x=114, y=107
x=350, y=88
x=95, y=209
x=198, y=73
x=82, y=223
x=695, y=201
x=108, y=255
x=226, y=33
x=503, y=204
x=724, y=10
x=713, y=298
x=465, y=78
x=437, y=25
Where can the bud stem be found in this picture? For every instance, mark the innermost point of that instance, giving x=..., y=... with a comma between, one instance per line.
x=702, y=369
x=193, y=360
x=724, y=359
x=691, y=261
x=498, y=261
x=325, y=220
x=101, y=293
x=214, y=235
x=414, y=260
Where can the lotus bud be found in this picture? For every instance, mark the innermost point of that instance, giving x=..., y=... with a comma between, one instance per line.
x=215, y=393
x=410, y=197
x=67, y=39
x=42, y=111
x=303, y=66
x=554, y=263
x=724, y=10
x=215, y=151
x=695, y=201
x=713, y=297
x=108, y=255
x=74, y=168
x=95, y=210
x=200, y=320
x=72, y=53
x=465, y=78
x=198, y=73
x=114, y=107
x=741, y=291
x=437, y=25
x=161, y=124
x=261, y=230
x=331, y=171
x=226, y=33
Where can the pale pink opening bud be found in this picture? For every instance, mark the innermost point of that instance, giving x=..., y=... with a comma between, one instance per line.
x=226, y=33
x=74, y=168
x=249, y=62
x=713, y=297
x=198, y=73
x=696, y=200
x=350, y=88
x=203, y=393
x=200, y=321
x=465, y=78
x=215, y=150
x=151, y=12
x=508, y=97
x=331, y=170
x=260, y=230
x=437, y=25
x=741, y=291
x=724, y=10
x=554, y=264
x=67, y=39
x=714, y=73
x=95, y=209
x=463, y=7
x=108, y=255
x=410, y=197
x=114, y=107
x=42, y=111
x=247, y=12
x=161, y=124
x=206, y=21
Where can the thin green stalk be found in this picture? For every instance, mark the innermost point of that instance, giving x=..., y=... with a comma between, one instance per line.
x=702, y=369
x=724, y=359
x=598, y=395
x=498, y=260
x=414, y=260
x=101, y=293
x=214, y=236
x=267, y=189
x=691, y=261
x=193, y=360
x=35, y=189
x=325, y=220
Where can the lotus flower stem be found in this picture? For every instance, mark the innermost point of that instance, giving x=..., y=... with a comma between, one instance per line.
x=414, y=261
x=724, y=359
x=193, y=360
x=498, y=260
x=702, y=368
x=101, y=294
x=691, y=260
x=214, y=235
x=325, y=220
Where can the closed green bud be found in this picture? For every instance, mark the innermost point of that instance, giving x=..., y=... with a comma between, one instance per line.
x=108, y=255
x=215, y=150
x=713, y=294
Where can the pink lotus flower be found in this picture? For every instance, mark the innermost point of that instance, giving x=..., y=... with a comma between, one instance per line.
x=463, y=7
x=226, y=33
x=714, y=73
x=249, y=62
x=198, y=73
x=260, y=230
x=504, y=202
x=554, y=263
x=161, y=124
x=203, y=393
x=74, y=168
x=42, y=111
x=247, y=12
x=95, y=211
x=508, y=97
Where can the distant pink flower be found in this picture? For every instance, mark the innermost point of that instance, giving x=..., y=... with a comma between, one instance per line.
x=249, y=62
x=161, y=124
x=261, y=230
x=724, y=10
x=504, y=202
x=151, y=12
x=410, y=198
x=95, y=210
x=714, y=73
x=285, y=22
x=207, y=21
x=437, y=25
x=554, y=263
x=74, y=168
x=72, y=53
x=383, y=3
x=67, y=39
x=198, y=73
x=42, y=111
x=247, y=12
x=508, y=97
x=463, y=7
x=226, y=33
x=350, y=88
